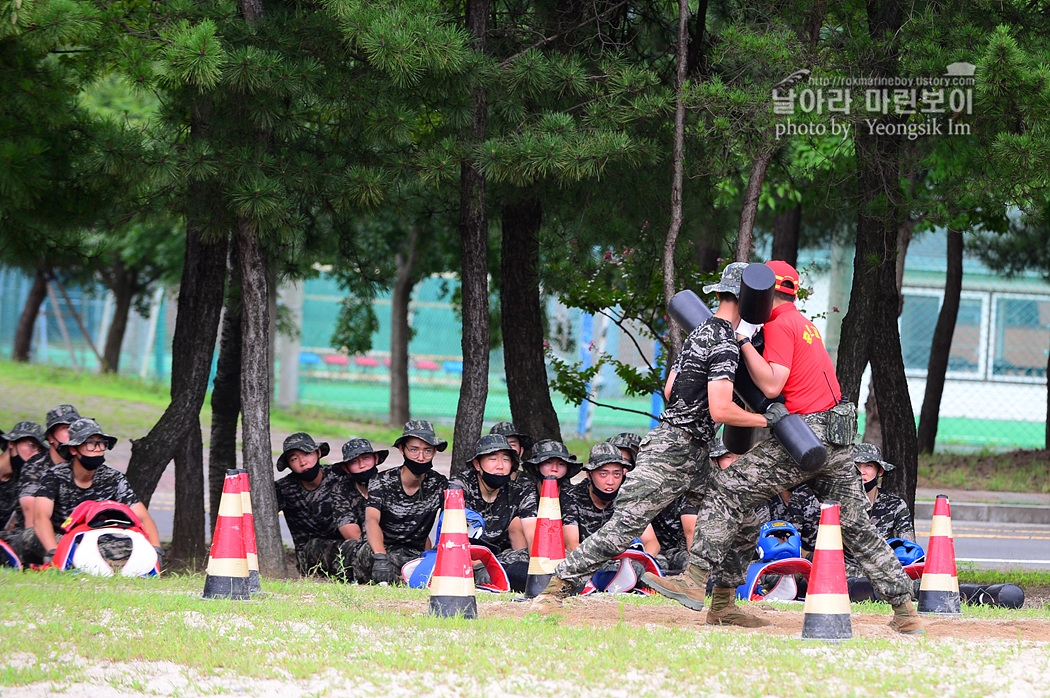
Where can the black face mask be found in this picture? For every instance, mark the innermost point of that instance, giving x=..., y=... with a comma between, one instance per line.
x=494, y=481
x=871, y=484
x=419, y=468
x=604, y=496
x=308, y=475
x=92, y=462
x=17, y=462
x=364, y=476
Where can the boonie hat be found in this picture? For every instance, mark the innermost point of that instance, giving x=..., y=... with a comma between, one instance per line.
x=787, y=277
x=83, y=429
x=604, y=453
x=494, y=443
x=730, y=281
x=27, y=430
x=301, y=441
x=421, y=429
x=508, y=429
x=626, y=440
x=546, y=449
x=358, y=447
x=870, y=453
x=63, y=414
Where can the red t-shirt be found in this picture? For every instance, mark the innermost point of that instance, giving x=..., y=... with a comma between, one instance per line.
x=794, y=342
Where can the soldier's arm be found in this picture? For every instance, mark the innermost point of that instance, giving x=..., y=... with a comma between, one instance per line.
x=528, y=527
x=517, y=534
x=688, y=528
x=28, y=505
x=671, y=375
x=148, y=525
x=769, y=377
x=649, y=541
x=903, y=526
x=45, y=532
x=373, y=532
x=350, y=532
x=572, y=537
x=725, y=411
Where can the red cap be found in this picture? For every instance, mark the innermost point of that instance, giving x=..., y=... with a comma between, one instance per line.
x=787, y=277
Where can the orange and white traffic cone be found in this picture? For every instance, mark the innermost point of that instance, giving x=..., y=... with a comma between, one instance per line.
x=251, y=554
x=228, y=565
x=452, y=583
x=939, y=588
x=826, y=611
x=548, y=543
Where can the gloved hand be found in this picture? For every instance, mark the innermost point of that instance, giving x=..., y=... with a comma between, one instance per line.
x=746, y=329
x=383, y=570
x=481, y=575
x=774, y=413
x=49, y=557
x=160, y=556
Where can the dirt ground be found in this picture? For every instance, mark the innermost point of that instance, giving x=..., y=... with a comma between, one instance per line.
x=605, y=611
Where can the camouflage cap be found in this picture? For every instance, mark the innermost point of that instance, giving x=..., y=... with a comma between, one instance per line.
x=27, y=430
x=870, y=453
x=63, y=414
x=549, y=448
x=359, y=447
x=604, y=453
x=730, y=281
x=83, y=429
x=493, y=443
x=301, y=441
x=626, y=439
x=421, y=429
x=718, y=449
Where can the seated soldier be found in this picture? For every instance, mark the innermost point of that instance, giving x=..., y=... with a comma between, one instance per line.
x=325, y=533
x=628, y=443
x=549, y=459
x=518, y=441
x=491, y=494
x=87, y=478
x=594, y=499
x=403, y=504
x=8, y=487
x=887, y=511
x=360, y=464
x=28, y=456
x=56, y=431
x=674, y=528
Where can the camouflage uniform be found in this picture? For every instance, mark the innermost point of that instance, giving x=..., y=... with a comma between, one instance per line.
x=891, y=518
x=314, y=518
x=674, y=548
x=405, y=520
x=674, y=456
x=766, y=470
x=33, y=472
x=804, y=513
x=589, y=517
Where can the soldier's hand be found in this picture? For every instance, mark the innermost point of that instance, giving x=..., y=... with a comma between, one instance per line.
x=49, y=556
x=383, y=570
x=160, y=556
x=774, y=413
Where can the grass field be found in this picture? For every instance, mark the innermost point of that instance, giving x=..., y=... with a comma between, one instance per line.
x=78, y=635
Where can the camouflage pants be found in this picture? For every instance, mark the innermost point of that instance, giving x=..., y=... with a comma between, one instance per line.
x=670, y=462
x=766, y=470
x=327, y=557
x=399, y=557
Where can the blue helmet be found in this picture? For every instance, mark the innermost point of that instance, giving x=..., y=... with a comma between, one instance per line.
x=907, y=551
x=778, y=540
x=475, y=525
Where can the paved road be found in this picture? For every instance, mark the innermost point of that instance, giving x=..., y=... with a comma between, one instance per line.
x=987, y=545
x=996, y=545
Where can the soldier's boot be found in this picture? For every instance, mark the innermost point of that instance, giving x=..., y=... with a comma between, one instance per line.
x=724, y=611
x=687, y=588
x=906, y=620
x=556, y=591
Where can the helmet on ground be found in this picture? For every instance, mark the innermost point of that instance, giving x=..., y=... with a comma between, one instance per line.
x=907, y=551
x=778, y=540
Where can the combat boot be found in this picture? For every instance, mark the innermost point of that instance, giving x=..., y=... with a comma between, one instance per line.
x=687, y=588
x=724, y=611
x=906, y=620
x=556, y=591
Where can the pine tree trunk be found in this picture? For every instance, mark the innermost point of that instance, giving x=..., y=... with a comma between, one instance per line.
x=226, y=391
x=404, y=282
x=674, y=334
x=192, y=347
x=522, y=321
x=941, y=347
x=473, y=232
x=786, y=227
x=750, y=209
x=23, y=343
x=187, y=542
x=123, y=291
x=255, y=400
